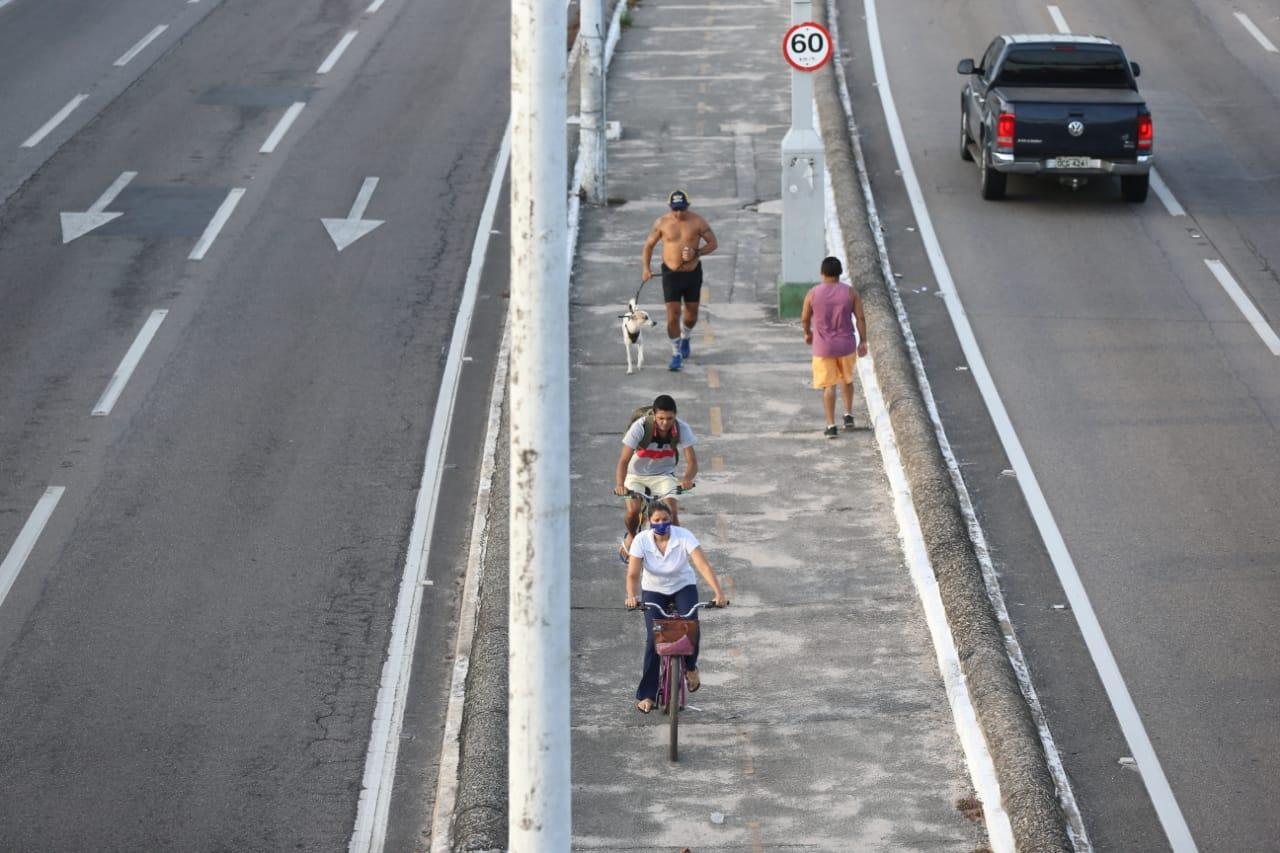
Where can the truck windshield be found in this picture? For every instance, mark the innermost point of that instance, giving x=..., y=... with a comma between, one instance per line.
x=1065, y=66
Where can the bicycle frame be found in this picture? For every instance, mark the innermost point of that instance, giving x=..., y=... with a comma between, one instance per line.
x=671, y=675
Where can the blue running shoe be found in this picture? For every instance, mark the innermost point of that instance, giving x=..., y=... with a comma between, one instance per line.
x=684, y=347
x=677, y=361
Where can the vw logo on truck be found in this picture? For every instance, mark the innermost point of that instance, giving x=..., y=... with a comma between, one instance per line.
x=1075, y=128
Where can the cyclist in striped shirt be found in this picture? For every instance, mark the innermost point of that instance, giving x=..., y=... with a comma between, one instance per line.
x=651, y=451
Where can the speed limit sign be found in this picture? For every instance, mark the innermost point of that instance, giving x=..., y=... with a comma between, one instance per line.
x=807, y=46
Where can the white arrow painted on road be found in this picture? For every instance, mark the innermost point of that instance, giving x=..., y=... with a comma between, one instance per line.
x=79, y=224
x=346, y=231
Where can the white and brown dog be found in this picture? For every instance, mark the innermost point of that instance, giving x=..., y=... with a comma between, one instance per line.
x=632, y=323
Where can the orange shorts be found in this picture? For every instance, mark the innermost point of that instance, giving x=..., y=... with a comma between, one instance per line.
x=828, y=371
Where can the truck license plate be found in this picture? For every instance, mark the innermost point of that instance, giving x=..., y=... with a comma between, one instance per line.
x=1073, y=163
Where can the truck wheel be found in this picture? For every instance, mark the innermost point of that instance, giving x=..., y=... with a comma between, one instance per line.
x=965, y=153
x=992, y=182
x=1134, y=187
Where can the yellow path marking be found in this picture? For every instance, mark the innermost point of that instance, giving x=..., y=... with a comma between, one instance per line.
x=704, y=295
x=717, y=463
x=757, y=846
x=713, y=378
x=717, y=428
x=722, y=527
x=708, y=337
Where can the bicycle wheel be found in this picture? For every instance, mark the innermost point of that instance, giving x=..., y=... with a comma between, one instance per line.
x=675, y=671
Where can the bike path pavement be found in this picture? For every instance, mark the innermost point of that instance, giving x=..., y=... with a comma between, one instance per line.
x=823, y=722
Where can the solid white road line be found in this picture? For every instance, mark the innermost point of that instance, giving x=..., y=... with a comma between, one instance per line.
x=141, y=45
x=1166, y=805
x=1059, y=21
x=214, y=227
x=35, y=139
x=336, y=54
x=282, y=127
x=369, y=834
x=1166, y=195
x=127, y=364
x=1258, y=34
x=1246, y=306
x=374, y=6
x=27, y=537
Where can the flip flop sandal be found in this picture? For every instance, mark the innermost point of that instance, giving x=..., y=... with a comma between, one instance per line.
x=622, y=553
x=642, y=708
x=692, y=680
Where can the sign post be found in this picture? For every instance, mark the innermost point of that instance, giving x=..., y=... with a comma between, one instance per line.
x=806, y=48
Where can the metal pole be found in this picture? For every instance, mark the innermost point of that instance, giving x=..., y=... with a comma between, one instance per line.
x=538, y=697
x=591, y=110
x=803, y=164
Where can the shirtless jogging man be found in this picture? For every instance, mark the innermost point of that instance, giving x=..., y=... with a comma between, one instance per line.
x=685, y=238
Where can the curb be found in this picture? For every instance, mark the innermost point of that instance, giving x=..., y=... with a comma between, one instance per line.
x=1028, y=790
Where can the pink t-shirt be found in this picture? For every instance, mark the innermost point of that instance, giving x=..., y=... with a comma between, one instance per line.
x=832, y=323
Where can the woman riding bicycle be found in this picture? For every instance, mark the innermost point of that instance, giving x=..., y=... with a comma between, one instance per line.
x=661, y=570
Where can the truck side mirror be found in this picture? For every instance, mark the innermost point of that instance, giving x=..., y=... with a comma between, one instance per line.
x=1137, y=69
x=966, y=67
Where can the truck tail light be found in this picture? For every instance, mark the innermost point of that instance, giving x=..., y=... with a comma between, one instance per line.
x=1005, y=128
x=1146, y=133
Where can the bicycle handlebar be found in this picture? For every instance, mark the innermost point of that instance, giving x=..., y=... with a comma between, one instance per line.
x=641, y=496
x=641, y=606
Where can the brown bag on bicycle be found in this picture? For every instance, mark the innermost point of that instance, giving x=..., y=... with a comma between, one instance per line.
x=668, y=634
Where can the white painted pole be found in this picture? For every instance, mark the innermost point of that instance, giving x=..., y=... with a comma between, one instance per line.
x=803, y=162
x=538, y=697
x=591, y=103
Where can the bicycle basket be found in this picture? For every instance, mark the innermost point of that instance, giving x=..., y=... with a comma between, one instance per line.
x=675, y=636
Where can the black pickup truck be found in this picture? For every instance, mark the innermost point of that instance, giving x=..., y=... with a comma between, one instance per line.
x=1060, y=105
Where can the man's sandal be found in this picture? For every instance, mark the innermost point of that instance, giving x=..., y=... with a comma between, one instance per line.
x=644, y=706
x=693, y=680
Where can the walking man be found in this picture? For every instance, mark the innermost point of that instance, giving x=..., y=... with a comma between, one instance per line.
x=829, y=312
x=685, y=238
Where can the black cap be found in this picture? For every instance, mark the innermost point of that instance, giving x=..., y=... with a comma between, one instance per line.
x=678, y=200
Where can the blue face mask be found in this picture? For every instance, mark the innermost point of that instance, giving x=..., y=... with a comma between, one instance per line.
x=662, y=528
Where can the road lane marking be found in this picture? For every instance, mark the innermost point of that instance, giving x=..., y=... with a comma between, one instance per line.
x=344, y=232
x=77, y=224
x=1258, y=34
x=1059, y=21
x=336, y=54
x=1166, y=195
x=214, y=227
x=282, y=127
x=713, y=378
x=374, y=6
x=1245, y=304
x=717, y=428
x=1166, y=805
x=26, y=541
x=140, y=46
x=36, y=138
x=369, y=832
x=4, y=3
x=127, y=364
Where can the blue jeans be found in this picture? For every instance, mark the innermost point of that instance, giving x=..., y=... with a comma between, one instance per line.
x=679, y=602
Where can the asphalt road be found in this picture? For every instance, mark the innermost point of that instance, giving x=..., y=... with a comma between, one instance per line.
x=190, y=657
x=1146, y=403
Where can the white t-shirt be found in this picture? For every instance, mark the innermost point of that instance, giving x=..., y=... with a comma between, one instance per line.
x=670, y=572
x=656, y=458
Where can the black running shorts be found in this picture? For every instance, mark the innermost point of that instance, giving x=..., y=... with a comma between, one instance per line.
x=678, y=286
